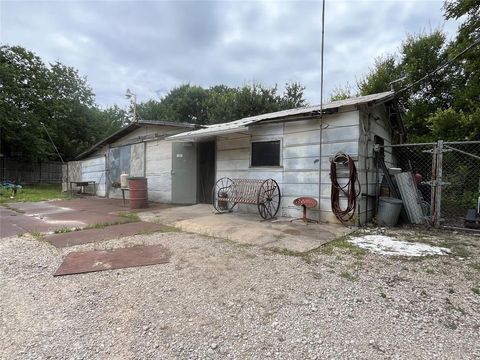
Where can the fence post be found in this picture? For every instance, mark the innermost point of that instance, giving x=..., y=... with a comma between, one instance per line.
x=438, y=184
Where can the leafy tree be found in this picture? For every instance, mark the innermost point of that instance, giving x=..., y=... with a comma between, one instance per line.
x=220, y=103
x=384, y=72
x=35, y=97
x=341, y=93
x=23, y=87
x=467, y=96
x=439, y=85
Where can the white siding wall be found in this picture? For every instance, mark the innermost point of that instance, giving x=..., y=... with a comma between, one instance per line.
x=94, y=170
x=298, y=174
x=301, y=150
x=340, y=134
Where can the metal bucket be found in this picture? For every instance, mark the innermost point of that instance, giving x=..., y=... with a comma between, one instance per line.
x=388, y=211
x=138, y=192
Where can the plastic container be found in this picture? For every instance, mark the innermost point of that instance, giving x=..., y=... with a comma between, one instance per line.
x=124, y=180
x=388, y=211
x=138, y=189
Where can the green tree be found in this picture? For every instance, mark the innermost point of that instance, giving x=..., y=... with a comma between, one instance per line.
x=220, y=103
x=35, y=97
x=385, y=70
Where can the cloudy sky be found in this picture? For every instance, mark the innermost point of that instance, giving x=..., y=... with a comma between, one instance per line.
x=153, y=46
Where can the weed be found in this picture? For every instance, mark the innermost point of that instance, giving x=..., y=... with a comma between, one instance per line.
x=348, y=275
x=65, y=230
x=342, y=243
x=20, y=235
x=129, y=215
x=38, y=235
x=103, y=225
x=383, y=295
x=430, y=271
x=163, y=229
x=451, y=291
x=423, y=293
x=303, y=255
x=476, y=266
x=476, y=290
x=460, y=250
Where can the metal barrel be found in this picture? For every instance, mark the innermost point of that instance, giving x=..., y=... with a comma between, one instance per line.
x=138, y=189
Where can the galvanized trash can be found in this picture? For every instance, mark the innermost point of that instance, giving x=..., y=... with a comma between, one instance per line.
x=388, y=211
x=138, y=192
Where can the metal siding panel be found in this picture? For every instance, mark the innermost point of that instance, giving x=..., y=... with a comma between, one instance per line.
x=94, y=170
x=137, y=163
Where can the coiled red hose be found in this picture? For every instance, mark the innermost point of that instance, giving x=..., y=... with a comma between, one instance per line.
x=349, y=189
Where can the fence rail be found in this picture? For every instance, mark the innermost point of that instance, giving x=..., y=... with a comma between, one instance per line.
x=446, y=177
x=24, y=172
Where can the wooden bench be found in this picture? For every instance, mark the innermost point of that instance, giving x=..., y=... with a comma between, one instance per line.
x=265, y=194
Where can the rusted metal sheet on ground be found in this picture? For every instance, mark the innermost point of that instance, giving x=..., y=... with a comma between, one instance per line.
x=100, y=260
x=87, y=236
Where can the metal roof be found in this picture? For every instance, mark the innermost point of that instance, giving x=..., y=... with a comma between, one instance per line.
x=128, y=129
x=242, y=124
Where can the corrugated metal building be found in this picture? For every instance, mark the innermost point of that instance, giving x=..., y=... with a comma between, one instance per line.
x=294, y=147
x=139, y=149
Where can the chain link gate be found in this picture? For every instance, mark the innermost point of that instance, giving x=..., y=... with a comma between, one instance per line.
x=447, y=176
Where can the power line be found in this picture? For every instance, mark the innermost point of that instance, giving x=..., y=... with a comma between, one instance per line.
x=441, y=66
x=321, y=67
x=60, y=156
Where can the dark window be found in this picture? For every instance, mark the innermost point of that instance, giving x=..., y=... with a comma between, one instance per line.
x=266, y=153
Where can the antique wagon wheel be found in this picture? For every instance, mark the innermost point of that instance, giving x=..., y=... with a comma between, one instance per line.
x=268, y=199
x=223, y=189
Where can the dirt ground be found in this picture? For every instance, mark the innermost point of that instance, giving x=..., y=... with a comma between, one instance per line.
x=219, y=299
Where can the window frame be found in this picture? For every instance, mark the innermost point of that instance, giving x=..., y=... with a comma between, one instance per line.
x=280, y=157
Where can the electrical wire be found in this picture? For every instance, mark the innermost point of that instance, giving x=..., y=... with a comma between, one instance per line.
x=349, y=189
x=441, y=66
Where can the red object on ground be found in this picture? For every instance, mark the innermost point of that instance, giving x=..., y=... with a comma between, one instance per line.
x=418, y=178
x=96, y=235
x=90, y=261
x=138, y=192
x=305, y=202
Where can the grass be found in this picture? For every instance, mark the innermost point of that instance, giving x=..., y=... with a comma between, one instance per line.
x=38, y=235
x=129, y=215
x=342, y=243
x=164, y=229
x=37, y=192
x=306, y=256
x=476, y=266
x=348, y=275
x=476, y=290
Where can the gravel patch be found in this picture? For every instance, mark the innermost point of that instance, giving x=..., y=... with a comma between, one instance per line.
x=220, y=300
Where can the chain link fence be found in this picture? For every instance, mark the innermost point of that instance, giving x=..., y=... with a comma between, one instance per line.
x=445, y=181
x=460, y=184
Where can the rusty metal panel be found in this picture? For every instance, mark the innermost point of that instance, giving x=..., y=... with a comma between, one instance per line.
x=100, y=260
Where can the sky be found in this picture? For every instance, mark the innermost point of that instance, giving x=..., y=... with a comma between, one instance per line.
x=151, y=47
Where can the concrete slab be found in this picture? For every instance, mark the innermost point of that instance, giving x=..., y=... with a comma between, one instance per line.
x=13, y=223
x=95, y=235
x=48, y=216
x=248, y=228
x=99, y=260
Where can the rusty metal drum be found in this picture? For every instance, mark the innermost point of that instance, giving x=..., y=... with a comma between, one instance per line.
x=138, y=188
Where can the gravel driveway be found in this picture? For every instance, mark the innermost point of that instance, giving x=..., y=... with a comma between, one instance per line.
x=217, y=299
